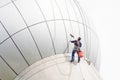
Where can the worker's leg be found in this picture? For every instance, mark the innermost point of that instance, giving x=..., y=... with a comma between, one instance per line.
x=78, y=59
x=73, y=54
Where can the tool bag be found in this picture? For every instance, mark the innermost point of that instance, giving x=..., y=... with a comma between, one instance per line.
x=80, y=54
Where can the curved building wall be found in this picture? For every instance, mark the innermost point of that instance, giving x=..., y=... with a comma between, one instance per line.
x=31, y=30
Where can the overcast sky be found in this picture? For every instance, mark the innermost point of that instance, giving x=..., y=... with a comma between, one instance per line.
x=105, y=16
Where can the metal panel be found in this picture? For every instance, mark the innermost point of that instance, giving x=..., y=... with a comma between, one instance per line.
x=26, y=44
x=5, y=72
x=42, y=37
x=13, y=22
x=29, y=11
x=4, y=2
x=12, y=56
x=3, y=34
x=60, y=38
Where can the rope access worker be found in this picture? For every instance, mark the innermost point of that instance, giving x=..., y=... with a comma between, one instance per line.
x=77, y=46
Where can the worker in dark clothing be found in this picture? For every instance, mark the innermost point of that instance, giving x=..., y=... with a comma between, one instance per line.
x=77, y=45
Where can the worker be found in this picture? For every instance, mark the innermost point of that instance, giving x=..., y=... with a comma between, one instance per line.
x=76, y=49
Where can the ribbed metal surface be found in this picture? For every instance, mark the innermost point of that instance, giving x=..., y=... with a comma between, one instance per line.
x=31, y=30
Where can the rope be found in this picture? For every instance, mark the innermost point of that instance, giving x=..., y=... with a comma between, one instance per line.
x=76, y=3
x=81, y=72
x=63, y=21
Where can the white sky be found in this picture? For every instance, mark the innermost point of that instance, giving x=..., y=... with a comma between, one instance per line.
x=105, y=16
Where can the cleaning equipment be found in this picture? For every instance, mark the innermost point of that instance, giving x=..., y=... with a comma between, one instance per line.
x=71, y=35
x=80, y=54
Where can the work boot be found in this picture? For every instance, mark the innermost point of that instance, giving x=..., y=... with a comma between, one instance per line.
x=72, y=61
x=78, y=59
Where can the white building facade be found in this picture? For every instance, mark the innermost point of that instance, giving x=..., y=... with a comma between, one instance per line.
x=33, y=31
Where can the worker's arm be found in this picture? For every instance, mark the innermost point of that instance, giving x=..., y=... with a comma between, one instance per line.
x=80, y=44
x=73, y=41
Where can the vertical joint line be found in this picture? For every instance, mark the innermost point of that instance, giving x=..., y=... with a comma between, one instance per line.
x=82, y=13
x=69, y=19
x=9, y=65
x=83, y=24
x=63, y=24
x=15, y=44
x=47, y=25
x=28, y=29
x=75, y=16
x=54, y=36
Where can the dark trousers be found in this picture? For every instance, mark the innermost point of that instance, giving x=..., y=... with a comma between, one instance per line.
x=73, y=54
